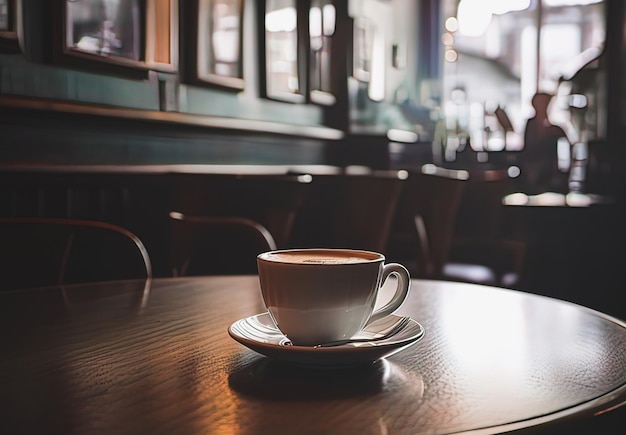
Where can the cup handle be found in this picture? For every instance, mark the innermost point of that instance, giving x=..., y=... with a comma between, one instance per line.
x=402, y=290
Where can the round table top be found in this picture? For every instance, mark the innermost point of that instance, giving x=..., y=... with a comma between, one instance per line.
x=156, y=357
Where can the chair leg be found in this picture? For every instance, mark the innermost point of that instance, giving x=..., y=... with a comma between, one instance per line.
x=425, y=261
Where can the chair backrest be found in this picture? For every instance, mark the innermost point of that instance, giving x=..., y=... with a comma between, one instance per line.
x=38, y=252
x=428, y=209
x=483, y=237
x=208, y=245
x=272, y=200
x=481, y=210
x=349, y=211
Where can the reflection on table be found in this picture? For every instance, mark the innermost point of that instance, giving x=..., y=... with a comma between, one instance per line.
x=554, y=199
x=122, y=358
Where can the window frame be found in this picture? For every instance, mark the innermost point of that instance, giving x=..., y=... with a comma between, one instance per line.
x=363, y=49
x=307, y=93
x=154, y=38
x=8, y=37
x=195, y=40
x=301, y=56
x=318, y=95
x=70, y=57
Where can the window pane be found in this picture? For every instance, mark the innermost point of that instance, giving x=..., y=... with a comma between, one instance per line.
x=219, y=45
x=281, y=48
x=104, y=27
x=508, y=50
x=321, y=30
x=4, y=15
x=363, y=48
x=582, y=27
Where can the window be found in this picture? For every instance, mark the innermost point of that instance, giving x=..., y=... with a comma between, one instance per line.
x=107, y=28
x=8, y=29
x=322, y=22
x=369, y=57
x=506, y=51
x=126, y=35
x=5, y=16
x=218, y=31
x=297, y=37
x=281, y=51
x=363, y=47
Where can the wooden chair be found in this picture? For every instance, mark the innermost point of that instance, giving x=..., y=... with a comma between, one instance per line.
x=349, y=210
x=271, y=200
x=481, y=250
x=426, y=216
x=38, y=252
x=105, y=193
x=207, y=245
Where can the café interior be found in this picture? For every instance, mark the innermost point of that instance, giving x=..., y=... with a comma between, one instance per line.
x=213, y=130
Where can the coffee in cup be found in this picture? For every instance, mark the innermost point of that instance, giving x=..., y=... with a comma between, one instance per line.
x=319, y=295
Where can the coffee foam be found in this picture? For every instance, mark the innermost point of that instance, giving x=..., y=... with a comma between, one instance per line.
x=319, y=257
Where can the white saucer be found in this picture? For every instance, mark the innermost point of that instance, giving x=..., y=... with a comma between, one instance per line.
x=261, y=335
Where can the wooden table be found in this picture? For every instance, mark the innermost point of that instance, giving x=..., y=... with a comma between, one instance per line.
x=574, y=247
x=132, y=358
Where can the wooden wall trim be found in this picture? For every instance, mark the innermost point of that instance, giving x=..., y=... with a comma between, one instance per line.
x=233, y=124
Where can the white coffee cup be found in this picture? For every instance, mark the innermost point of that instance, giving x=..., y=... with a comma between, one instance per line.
x=318, y=295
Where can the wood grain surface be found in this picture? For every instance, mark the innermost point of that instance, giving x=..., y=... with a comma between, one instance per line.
x=148, y=358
